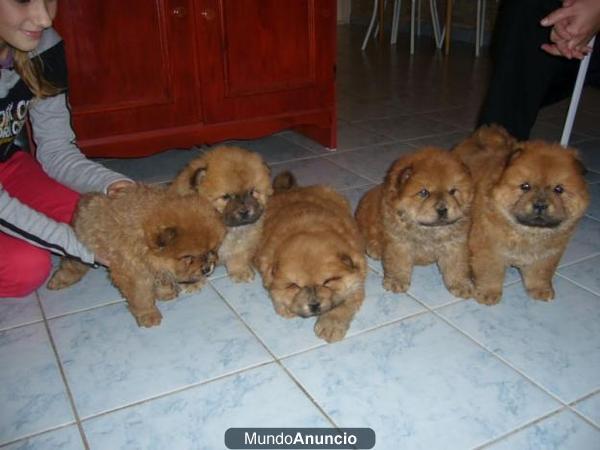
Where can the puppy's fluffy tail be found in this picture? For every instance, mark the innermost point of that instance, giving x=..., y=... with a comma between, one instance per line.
x=284, y=182
x=494, y=137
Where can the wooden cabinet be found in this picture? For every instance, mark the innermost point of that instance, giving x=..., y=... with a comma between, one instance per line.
x=147, y=75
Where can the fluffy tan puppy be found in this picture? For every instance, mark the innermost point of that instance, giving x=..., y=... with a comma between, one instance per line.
x=420, y=215
x=158, y=243
x=237, y=182
x=311, y=257
x=529, y=198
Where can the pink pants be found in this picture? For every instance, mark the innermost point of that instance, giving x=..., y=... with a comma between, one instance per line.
x=24, y=267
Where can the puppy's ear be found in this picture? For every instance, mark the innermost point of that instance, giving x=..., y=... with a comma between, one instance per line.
x=518, y=151
x=197, y=176
x=163, y=237
x=352, y=264
x=405, y=175
x=399, y=174
x=284, y=182
x=269, y=272
x=515, y=155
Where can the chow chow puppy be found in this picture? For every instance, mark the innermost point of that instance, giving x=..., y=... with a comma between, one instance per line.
x=529, y=196
x=237, y=182
x=158, y=243
x=420, y=215
x=311, y=256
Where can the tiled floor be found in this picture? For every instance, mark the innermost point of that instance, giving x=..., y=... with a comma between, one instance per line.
x=425, y=370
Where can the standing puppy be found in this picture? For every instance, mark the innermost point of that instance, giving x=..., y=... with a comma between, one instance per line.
x=529, y=198
x=158, y=243
x=237, y=182
x=420, y=215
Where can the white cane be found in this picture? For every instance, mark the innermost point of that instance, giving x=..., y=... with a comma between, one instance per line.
x=583, y=67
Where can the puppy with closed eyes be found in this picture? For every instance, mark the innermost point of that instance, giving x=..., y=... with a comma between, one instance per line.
x=420, y=215
x=237, y=183
x=529, y=198
x=159, y=244
x=311, y=256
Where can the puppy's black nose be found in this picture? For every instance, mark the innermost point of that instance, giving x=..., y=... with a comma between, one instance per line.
x=244, y=213
x=442, y=212
x=540, y=207
x=314, y=308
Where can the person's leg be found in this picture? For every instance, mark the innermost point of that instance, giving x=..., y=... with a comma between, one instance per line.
x=24, y=267
x=24, y=179
x=524, y=77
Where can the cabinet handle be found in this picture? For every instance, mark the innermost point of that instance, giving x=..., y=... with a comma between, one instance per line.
x=179, y=12
x=208, y=14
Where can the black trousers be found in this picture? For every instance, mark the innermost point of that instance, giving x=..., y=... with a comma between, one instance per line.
x=524, y=77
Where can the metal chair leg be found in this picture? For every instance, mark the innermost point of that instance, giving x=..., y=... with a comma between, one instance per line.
x=396, y=21
x=371, y=25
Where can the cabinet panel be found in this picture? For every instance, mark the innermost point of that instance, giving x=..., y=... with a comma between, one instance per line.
x=129, y=65
x=270, y=56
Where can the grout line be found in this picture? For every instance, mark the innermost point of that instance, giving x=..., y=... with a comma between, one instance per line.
x=63, y=376
x=502, y=359
x=91, y=308
x=176, y=390
x=275, y=358
x=577, y=261
x=520, y=428
x=36, y=434
x=20, y=325
x=592, y=217
x=565, y=405
x=361, y=332
x=580, y=413
x=596, y=294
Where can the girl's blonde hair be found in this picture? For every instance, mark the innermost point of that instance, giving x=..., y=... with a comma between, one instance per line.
x=31, y=71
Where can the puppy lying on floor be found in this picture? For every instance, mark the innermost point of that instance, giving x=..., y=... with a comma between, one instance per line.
x=311, y=256
x=157, y=242
x=237, y=182
x=529, y=198
x=420, y=215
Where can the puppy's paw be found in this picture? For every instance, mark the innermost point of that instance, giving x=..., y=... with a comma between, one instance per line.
x=241, y=274
x=68, y=273
x=283, y=311
x=487, y=297
x=395, y=285
x=167, y=292
x=461, y=289
x=544, y=294
x=149, y=319
x=331, y=330
x=60, y=280
x=190, y=288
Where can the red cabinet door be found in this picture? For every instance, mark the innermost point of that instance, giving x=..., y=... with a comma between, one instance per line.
x=265, y=57
x=131, y=72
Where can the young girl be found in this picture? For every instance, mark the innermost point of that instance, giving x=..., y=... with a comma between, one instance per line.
x=38, y=197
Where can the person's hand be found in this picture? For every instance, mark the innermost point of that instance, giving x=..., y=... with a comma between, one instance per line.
x=118, y=187
x=573, y=26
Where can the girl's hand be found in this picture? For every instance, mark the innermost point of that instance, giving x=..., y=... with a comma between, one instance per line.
x=118, y=187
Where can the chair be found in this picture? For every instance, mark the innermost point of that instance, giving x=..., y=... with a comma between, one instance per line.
x=479, y=26
x=415, y=5
x=583, y=67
